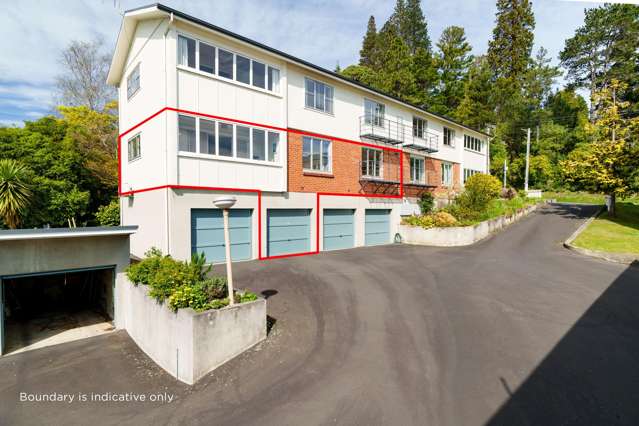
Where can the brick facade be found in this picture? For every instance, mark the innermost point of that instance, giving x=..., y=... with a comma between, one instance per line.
x=346, y=170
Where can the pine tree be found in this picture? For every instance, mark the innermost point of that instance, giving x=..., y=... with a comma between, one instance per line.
x=413, y=27
x=367, y=55
x=453, y=61
x=396, y=72
x=511, y=45
x=476, y=108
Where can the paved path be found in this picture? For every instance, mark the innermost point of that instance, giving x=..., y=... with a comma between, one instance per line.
x=513, y=330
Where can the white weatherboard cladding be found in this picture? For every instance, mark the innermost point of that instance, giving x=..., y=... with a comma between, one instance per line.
x=474, y=160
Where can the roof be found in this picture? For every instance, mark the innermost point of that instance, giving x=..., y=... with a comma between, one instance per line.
x=117, y=65
x=47, y=233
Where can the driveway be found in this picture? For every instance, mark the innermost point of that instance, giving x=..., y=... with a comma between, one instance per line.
x=513, y=330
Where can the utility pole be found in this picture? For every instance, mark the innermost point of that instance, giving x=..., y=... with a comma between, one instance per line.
x=527, y=159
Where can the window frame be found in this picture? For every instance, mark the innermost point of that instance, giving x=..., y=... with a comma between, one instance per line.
x=451, y=138
x=473, y=143
x=321, y=141
x=315, y=95
x=422, y=160
x=380, y=168
x=139, y=144
x=374, y=114
x=416, y=128
x=216, y=74
x=447, y=165
x=135, y=70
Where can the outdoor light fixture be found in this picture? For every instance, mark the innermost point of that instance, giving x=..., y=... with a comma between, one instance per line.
x=225, y=203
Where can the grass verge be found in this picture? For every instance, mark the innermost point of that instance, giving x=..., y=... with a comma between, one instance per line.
x=614, y=235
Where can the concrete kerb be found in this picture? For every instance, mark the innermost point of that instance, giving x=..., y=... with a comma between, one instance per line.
x=462, y=235
x=624, y=258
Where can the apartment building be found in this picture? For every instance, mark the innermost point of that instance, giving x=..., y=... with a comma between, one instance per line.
x=316, y=161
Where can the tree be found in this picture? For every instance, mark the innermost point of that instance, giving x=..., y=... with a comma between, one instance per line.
x=109, y=215
x=609, y=164
x=83, y=80
x=15, y=192
x=606, y=47
x=453, y=61
x=368, y=52
x=538, y=80
x=568, y=108
x=413, y=28
x=476, y=108
x=396, y=74
x=509, y=49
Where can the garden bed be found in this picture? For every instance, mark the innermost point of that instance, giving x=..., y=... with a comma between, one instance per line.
x=189, y=344
x=459, y=235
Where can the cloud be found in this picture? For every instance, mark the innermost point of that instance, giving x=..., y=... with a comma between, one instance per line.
x=33, y=33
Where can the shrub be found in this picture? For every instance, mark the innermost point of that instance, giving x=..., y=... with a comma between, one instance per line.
x=426, y=203
x=439, y=219
x=109, y=215
x=508, y=193
x=182, y=284
x=443, y=218
x=479, y=190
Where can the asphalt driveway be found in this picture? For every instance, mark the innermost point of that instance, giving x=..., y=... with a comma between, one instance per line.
x=513, y=330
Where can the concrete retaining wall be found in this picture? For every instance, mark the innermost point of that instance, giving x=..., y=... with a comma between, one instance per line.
x=187, y=344
x=458, y=235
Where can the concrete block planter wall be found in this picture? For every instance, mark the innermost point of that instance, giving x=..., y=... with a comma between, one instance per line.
x=188, y=344
x=459, y=235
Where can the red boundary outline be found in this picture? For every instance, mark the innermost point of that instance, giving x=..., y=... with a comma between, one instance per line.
x=258, y=191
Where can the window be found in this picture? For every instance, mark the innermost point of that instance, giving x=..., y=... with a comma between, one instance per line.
x=259, y=144
x=133, y=82
x=316, y=155
x=207, y=58
x=226, y=139
x=243, y=145
x=186, y=133
x=371, y=162
x=207, y=137
x=134, y=147
x=417, y=170
x=273, y=79
x=225, y=64
x=319, y=96
x=186, y=51
x=374, y=113
x=472, y=143
x=259, y=74
x=447, y=174
x=242, y=69
x=273, y=147
x=419, y=127
x=449, y=137
x=468, y=173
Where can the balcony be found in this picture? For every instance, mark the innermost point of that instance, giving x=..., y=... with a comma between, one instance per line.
x=396, y=133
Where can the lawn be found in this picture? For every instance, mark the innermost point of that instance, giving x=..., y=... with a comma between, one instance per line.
x=580, y=197
x=614, y=235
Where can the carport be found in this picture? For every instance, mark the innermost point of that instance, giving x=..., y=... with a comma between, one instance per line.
x=59, y=285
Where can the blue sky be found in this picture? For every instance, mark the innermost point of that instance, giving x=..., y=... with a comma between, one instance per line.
x=33, y=32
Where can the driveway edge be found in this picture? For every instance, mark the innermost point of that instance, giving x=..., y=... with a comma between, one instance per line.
x=624, y=258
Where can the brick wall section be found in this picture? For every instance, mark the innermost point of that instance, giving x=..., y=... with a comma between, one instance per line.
x=345, y=177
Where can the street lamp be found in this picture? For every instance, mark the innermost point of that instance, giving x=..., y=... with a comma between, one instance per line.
x=225, y=203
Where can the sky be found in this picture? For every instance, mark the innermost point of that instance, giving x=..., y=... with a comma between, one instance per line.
x=324, y=32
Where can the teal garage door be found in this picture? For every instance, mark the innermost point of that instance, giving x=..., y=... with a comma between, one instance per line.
x=288, y=231
x=207, y=234
x=377, y=227
x=339, y=229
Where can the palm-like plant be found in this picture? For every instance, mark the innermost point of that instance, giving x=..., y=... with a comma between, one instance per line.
x=15, y=192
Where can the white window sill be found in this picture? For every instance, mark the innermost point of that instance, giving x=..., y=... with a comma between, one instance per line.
x=228, y=159
x=228, y=80
x=474, y=152
x=330, y=114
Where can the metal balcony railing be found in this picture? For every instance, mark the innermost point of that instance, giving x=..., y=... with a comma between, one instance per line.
x=397, y=133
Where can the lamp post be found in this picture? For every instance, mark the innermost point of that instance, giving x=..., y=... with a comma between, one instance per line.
x=225, y=203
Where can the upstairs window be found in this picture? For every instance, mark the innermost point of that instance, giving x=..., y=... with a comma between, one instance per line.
x=449, y=137
x=133, y=82
x=186, y=51
x=371, y=162
x=319, y=96
x=242, y=69
x=186, y=133
x=374, y=113
x=419, y=127
x=259, y=144
x=258, y=72
x=417, y=170
x=274, y=79
x=225, y=63
x=134, y=147
x=207, y=137
x=472, y=143
x=316, y=155
x=207, y=58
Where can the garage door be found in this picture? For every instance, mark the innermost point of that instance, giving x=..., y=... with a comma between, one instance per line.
x=338, y=231
x=288, y=231
x=377, y=227
x=207, y=234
